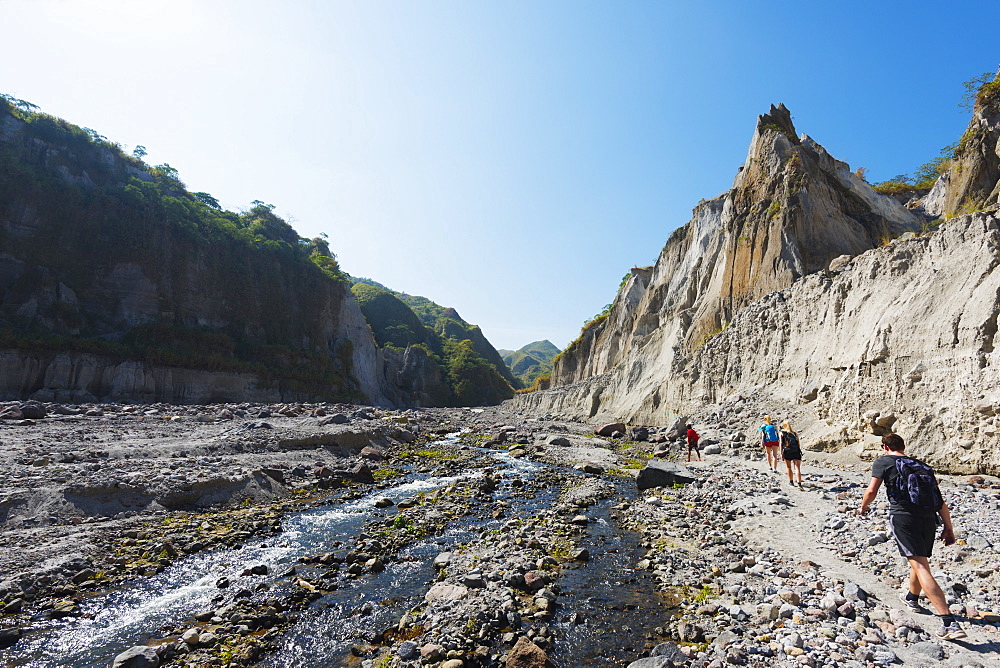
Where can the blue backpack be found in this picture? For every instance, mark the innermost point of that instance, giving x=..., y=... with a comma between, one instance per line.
x=770, y=433
x=914, y=486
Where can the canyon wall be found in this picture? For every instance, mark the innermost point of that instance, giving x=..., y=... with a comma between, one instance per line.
x=118, y=283
x=803, y=285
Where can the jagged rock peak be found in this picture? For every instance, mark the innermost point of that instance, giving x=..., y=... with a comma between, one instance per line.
x=792, y=209
x=778, y=118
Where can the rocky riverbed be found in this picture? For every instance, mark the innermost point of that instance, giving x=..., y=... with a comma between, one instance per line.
x=346, y=535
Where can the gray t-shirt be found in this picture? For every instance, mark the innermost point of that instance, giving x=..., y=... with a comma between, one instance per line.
x=885, y=468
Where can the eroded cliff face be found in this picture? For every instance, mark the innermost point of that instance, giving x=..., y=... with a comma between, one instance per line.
x=86, y=255
x=898, y=333
x=792, y=209
x=907, y=331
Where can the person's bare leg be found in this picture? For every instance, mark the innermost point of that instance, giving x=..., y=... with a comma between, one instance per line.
x=798, y=470
x=921, y=579
x=788, y=466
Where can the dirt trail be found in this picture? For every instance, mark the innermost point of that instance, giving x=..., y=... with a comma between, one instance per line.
x=795, y=535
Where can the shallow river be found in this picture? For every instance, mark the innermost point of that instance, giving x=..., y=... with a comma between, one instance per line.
x=611, y=597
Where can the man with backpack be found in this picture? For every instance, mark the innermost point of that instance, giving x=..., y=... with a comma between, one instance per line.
x=915, y=502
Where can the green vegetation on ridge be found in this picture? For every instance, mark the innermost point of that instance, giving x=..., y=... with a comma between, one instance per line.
x=981, y=89
x=458, y=349
x=86, y=207
x=531, y=361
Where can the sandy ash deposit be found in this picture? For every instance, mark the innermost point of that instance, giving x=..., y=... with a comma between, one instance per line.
x=756, y=572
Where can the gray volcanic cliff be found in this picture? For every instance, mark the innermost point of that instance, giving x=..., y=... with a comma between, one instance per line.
x=893, y=333
x=114, y=286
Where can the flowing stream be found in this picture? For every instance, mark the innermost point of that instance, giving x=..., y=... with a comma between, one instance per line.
x=611, y=598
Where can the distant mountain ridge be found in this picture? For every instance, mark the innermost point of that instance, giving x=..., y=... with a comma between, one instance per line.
x=469, y=369
x=531, y=361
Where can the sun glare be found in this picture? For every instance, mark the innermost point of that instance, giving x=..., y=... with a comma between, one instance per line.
x=125, y=20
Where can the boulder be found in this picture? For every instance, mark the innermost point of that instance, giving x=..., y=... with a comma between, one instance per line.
x=442, y=591
x=11, y=413
x=9, y=636
x=139, y=656
x=361, y=473
x=373, y=454
x=670, y=651
x=658, y=473
x=609, y=429
x=33, y=410
x=274, y=473
x=654, y=662
x=677, y=428
x=526, y=654
x=840, y=262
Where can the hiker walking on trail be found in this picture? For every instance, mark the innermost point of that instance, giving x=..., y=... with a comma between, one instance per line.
x=915, y=503
x=692, y=441
x=769, y=441
x=791, y=453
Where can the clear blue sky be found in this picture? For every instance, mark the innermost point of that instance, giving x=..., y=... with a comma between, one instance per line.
x=510, y=159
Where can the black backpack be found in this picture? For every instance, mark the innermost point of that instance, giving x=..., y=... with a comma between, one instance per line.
x=914, y=487
x=791, y=440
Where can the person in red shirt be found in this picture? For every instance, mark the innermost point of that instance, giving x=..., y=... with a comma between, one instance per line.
x=692, y=439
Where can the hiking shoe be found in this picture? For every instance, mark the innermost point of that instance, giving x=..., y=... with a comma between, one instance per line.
x=953, y=631
x=911, y=604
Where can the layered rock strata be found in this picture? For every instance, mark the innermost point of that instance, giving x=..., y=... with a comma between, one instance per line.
x=898, y=337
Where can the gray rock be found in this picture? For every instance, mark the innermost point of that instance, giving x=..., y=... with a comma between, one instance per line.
x=725, y=639
x=33, y=410
x=408, y=650
x=670, y=651
x=677, y=428
x=883, y=656
x=139, y=656
x=653, y=662
x=977, y=541
x=474, y=581
x=659, y=473
x=853, y=592
x=840, y=262
x=274, y=473
x=931, y=649
x=714, y=449
x=9, y=636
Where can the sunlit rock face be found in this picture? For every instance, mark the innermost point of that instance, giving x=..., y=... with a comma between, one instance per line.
x=743, y=300
x=972, y=180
